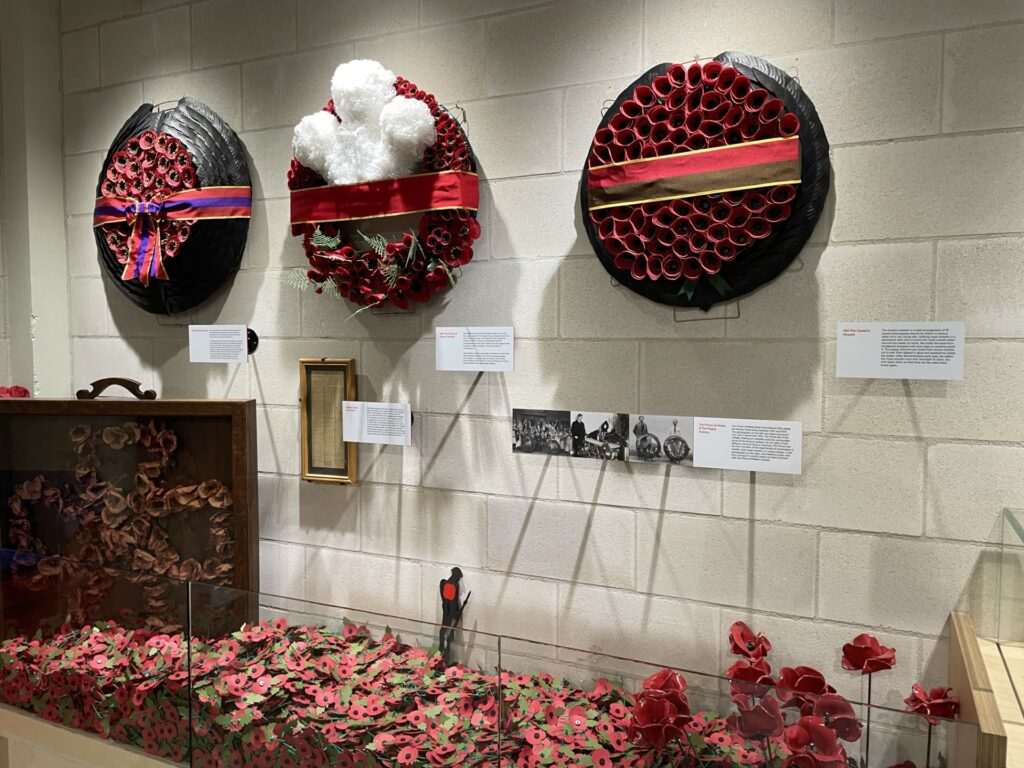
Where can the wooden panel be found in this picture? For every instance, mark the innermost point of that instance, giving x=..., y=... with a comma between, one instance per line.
x=970, y=680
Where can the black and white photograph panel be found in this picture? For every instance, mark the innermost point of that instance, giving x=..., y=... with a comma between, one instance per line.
x=661, y=439
x=537, y=431
x=600, y=435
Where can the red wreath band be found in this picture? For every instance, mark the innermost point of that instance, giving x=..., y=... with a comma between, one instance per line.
x=146, y=217
x=388, y=197
x=715, y=170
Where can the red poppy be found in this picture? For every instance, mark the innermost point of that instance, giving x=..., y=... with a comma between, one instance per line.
x=759, y=718
x=601, y=758
x=936, y=703
x=866, y=654
x=800, y=687
x=811, y=737
x=837, y=713
x=656, y=720
x=743, y=642
x=752, y=678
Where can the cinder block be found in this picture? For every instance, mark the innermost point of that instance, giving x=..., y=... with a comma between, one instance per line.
x=449, y=62
x=501, y=604
x=817, y=643
x=961, y=185
x=317, y=514
x=88, y=307
x=92, y=119
x=541, y=381
x=519, y=293
x=983, y=406
x=872, y=92
x=897, y=583
x=220, y=89
x=657, y=630
x=863, y=485
x=727, y=562
x=536, y=218
x=83, y=13
x=177, y=377
x=257, y=299
x=329, y=21
x=100, y=358
x=283, y=569
x=277, y=440
x=270, y=244
x=968, y=486
x=591, y=305
x=437, y=526
x=867, y=19
x=235, y=30
x=396, y=371
x=275, y=366
x=281, y=91
x=144, y=46
x=393, y=464
x=792, y=306
x=584, y=107
x=328, y=316
x=580, y=543
x=437, y=11
x=270, y=155
x=82, y=256
x=714, y=379
x=980, y=282
x=562, y=44
x=517, y=135
x=80, y=60
x=975, y=98
x=363, y=583
x=641, y=486
x=681, y=32
x=472, y=454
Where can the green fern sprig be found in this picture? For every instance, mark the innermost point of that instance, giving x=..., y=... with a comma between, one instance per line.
x=323, y=242
x=377, y=243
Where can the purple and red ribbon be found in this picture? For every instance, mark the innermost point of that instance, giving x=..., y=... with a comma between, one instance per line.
x=145, y=255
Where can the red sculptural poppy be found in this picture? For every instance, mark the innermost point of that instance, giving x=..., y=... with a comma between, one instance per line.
x=866, y=654
x=743, y=642
x=938, y=702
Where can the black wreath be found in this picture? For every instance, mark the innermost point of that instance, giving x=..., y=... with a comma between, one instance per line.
x=764, y=260
x=214, y=249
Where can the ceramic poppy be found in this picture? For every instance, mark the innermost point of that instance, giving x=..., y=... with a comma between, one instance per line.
x=704, y=181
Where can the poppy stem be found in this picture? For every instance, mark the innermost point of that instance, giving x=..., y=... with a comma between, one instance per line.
x=867, y=737
x=928, y=747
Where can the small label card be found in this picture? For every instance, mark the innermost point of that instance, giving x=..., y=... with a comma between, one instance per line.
x=756, y=446
x=379, y=423
x=900, y=351
x=217, y=344
x=475, y=349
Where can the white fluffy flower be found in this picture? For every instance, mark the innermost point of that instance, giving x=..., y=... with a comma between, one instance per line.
x=380, y=135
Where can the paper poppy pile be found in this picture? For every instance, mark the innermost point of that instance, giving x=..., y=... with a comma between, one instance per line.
x=276, y=695
x=684, y=110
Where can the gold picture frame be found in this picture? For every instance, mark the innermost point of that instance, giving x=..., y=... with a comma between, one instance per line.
x=323, y=385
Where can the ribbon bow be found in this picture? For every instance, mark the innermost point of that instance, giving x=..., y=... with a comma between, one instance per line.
x=145, y=254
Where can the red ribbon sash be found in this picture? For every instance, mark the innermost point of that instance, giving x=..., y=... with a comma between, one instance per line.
x=701, y=172
x=387, y=197
x=145, y=255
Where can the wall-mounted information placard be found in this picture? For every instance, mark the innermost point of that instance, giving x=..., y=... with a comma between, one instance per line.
x=217, y=344
x=900, y=351
x=379, y=423
x=475, y=349
x=746, y=444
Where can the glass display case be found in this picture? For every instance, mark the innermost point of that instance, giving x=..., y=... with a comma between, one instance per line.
x=1010, y=610
x=262, y=680
x=154, y=490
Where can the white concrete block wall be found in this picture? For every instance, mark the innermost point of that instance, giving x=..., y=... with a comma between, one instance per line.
x=895, y=519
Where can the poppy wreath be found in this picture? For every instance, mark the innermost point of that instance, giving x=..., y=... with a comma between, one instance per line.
x=382, y=148
x=120, y=531
x=703, y=182
x=173, y=203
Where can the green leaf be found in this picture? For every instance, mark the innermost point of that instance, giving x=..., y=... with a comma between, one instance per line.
x=688, y=287
x=720, y=285
x=323, y=242
x=376, y=243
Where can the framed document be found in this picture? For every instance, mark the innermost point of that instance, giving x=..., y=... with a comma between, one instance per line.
x=323, y=386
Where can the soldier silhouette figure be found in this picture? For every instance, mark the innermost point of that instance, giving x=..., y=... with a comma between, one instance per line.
x=451, y=610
